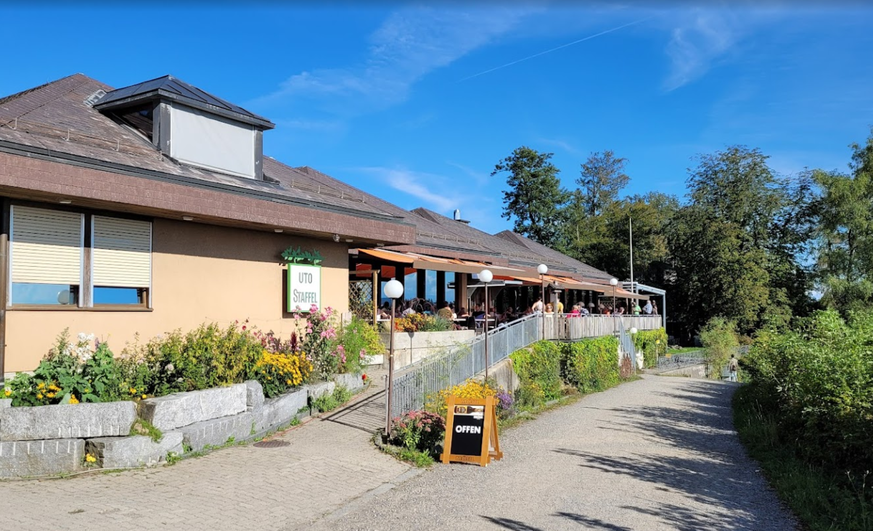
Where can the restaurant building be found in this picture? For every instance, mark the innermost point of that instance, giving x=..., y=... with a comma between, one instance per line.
x=135, y=211
x=149, y=208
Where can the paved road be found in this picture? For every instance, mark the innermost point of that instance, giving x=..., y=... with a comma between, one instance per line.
x=658, y=453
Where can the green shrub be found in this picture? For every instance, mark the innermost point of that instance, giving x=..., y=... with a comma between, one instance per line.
x=420, y=431
x=359, y=342
x=69, y=374
x=329, y=402
x=538, y=364
x=820, y=376
x=591, y=364
x=652, y=343
x=719, y=338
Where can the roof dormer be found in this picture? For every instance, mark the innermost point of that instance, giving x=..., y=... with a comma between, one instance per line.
x=191, y=126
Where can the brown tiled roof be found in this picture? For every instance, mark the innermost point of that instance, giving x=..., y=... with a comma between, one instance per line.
x=517, y=249
x=55, y=119
x=549, y=253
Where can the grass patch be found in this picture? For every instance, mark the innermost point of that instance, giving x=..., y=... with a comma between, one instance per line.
x=144, y=427
x=325, y=403
x=683, y=350
x=823, y=500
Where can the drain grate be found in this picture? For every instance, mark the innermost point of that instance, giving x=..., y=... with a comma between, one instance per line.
x=271, y=444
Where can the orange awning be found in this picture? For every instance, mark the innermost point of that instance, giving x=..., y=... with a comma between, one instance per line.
x=388, y=256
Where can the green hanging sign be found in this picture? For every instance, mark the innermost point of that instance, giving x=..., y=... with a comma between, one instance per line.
x=299, y=256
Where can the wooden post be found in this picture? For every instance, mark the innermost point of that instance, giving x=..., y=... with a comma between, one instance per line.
x=375, y=298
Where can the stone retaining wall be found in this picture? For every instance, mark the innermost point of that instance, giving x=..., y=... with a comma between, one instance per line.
x=410, y=347
x=51, y=440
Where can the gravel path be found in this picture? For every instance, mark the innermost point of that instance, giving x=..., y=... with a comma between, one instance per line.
x=658, y=453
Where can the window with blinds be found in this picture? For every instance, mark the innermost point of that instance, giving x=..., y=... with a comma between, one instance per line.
x=50, y=264
x=121, y=260
x=46, y=256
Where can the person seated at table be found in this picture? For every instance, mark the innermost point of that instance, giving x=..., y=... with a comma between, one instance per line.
x=549, y=308
x=445, y=312
x=385, y=311
x=576, y=311
x=479, y=311
x=583, y=310
x=506, y=317
x=620, y=310
x=463, y=313
x=408, y=310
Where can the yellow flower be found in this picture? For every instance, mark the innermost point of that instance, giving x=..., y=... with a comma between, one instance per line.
x=288, y=382
x=50, y=395
x=143, y=397
x=87, y=390
x=132, y=391
x=73, y=399
x=39, y=396
x=54, y=387
x=90, y=458
x=40, y=385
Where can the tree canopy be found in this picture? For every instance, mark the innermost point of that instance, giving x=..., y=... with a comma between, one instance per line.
x=535, y=198
x=747, y=245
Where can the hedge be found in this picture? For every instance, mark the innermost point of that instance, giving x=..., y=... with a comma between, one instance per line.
x=591, y=364
x=652, y=343
x=544, y=367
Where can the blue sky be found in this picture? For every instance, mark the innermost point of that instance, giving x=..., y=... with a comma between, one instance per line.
x=417, y=104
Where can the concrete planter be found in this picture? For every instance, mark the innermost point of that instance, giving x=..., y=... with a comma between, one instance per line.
x=410, y=347
x=351, y=381
x=50, y=440
x=67, y=421
x=183, y=409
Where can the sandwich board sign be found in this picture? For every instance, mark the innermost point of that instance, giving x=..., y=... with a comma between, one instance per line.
x=471, y=431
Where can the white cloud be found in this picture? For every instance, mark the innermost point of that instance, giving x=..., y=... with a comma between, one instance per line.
x=566, y=146
x=697, y=42
x=410, y=44
x=479, y=177
x=428, y=187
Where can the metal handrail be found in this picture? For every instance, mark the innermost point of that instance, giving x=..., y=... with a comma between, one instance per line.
x=430, y=376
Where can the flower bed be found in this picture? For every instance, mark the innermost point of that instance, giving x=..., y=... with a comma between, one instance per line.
x=200, y=389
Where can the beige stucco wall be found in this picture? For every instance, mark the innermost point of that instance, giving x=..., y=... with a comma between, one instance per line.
x=200, y=273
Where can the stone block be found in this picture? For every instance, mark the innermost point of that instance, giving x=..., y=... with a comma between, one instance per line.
x=254, y=395
x=352, y=382
x=41, y=458
x=183, y=409
x=280, y=410
x=217, y=432
x=129, y=452
x=320, y=389
x=67, y=421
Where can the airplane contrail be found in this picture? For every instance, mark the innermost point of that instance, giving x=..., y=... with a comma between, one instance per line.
x=588, y=38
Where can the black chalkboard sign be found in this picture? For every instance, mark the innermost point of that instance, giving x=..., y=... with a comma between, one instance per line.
x=471, y=431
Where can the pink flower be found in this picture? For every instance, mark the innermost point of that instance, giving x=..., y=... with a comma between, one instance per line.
x=313, y=308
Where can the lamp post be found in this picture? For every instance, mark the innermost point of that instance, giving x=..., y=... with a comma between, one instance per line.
x=542, y=269
x=613, y=282
x=486, y=277
x=393, y=289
